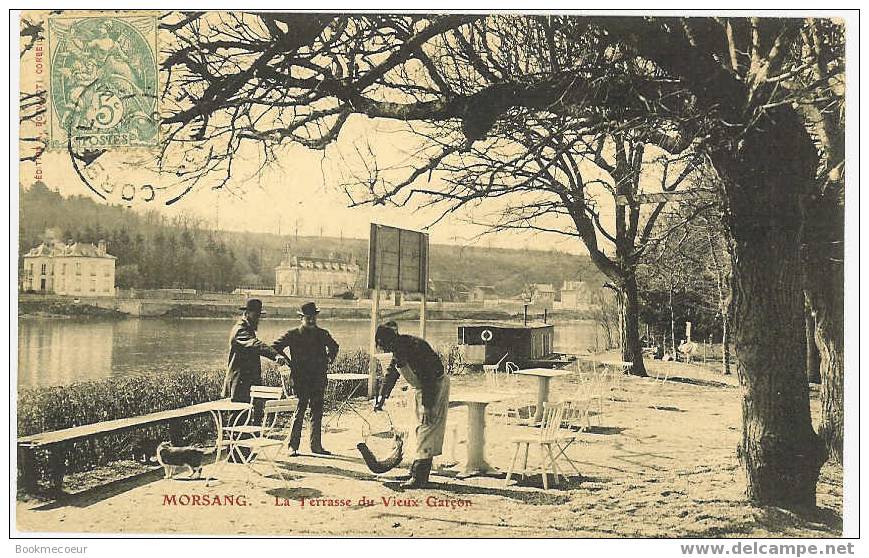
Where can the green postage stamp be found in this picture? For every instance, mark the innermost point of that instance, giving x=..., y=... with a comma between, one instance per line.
x=103, y=91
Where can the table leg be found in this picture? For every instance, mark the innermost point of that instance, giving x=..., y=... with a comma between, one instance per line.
x=542, y=396
x=218, y=423
x=476, y=463
x=27, y=477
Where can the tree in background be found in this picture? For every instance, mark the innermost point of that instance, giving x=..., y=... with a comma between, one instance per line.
x=686, y=270
x=605, y=313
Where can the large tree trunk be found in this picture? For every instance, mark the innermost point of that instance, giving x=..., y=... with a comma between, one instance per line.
x=813, y=358
x=825, y=290
x=830, y=341
x=632, y=348
x=766, y=177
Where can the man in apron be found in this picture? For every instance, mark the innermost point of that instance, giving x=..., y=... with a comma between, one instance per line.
x=415, y=360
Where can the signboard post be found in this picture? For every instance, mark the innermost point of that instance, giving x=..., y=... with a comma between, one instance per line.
x=372, y=349
x=423, y=291
x=397, y=261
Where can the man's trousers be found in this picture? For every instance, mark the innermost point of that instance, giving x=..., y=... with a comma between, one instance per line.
x=314, y=399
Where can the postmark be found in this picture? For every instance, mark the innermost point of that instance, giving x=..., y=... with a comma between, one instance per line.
x=103, y=81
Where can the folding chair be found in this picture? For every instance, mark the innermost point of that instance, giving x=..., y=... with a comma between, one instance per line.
x=657, y=382
x=510, y=376
x=590, y=393
x=493, y=385
x=550, y=439
x=257, y=393
x=271, y=438
x=244, y=433
x=511, y=411
x=576, y=415
x=618, y=375
x=492, y=374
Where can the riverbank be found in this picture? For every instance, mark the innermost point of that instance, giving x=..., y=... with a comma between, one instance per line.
x=660, y=461
x=67, y=309
x=218, y=306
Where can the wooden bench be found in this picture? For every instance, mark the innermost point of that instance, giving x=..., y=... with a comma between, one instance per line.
x=57, y=442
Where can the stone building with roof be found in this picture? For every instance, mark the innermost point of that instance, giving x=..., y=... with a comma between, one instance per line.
x=576, y=295
x=72, y=268
x=315, y=277
x=542, y=294
x=482, y=293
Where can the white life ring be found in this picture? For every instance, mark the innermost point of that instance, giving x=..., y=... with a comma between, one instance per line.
x=486, y=335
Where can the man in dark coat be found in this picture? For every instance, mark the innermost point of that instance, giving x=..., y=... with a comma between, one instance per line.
x=312, y=350
x=414, y=358
x=245, y=350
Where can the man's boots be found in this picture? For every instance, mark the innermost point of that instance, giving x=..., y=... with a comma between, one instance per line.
x=419, y=473
x=410, y=474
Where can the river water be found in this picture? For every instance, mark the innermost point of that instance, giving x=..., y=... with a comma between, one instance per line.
x=62, y=351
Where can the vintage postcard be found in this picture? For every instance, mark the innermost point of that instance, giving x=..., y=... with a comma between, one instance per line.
x=513, y=275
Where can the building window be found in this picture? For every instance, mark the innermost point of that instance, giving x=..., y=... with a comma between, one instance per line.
x=63, y=269
x=93, y=285
x=78, y=268
x=44, y=266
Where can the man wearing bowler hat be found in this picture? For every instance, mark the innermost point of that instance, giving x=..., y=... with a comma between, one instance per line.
x=312, y=350
x=245, y=350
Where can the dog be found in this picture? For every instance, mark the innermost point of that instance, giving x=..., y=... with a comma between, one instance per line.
x=144, y=450
x=173, y=460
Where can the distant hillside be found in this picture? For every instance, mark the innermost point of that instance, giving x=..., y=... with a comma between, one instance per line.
x=155, y=252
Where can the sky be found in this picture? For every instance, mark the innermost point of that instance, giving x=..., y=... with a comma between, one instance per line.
x=300, y=191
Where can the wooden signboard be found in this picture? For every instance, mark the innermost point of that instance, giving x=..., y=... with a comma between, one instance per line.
x=397, y=261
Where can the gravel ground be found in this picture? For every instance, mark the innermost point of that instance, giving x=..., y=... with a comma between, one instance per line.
x=659, y=461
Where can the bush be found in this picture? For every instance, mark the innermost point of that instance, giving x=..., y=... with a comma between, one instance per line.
x=453, y=359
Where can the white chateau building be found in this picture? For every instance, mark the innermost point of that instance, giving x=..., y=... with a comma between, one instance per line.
x=73, y=268
x=310, y=276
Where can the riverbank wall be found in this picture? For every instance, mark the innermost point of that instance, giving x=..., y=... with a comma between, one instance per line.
x=218, y=305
